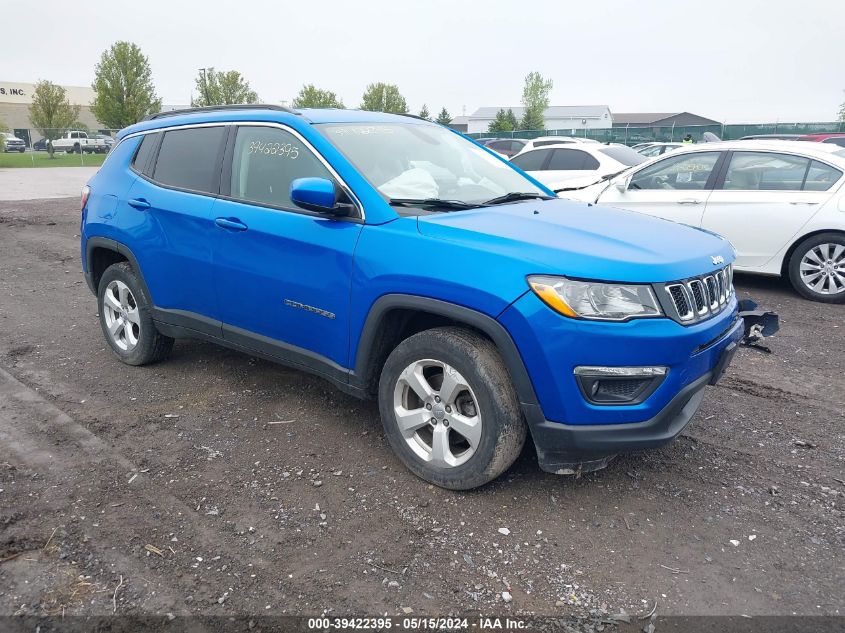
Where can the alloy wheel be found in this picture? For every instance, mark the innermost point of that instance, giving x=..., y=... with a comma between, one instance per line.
x=121, y=315
x=437, y=413
x=822, y=269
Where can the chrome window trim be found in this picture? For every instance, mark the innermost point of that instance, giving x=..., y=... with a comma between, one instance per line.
x=358, y=204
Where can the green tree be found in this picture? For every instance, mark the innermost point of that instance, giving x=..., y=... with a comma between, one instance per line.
x=842, y=112
x=444, y=118
x=502, y=122
x=512, y=120
x=312, y=97
x=51, y=112
x=424, y=113
x=381, y=97
x=535, y=98
x=222, y=87
x=124, y=86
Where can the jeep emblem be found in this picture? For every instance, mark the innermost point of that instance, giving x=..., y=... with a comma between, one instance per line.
x=717, y=259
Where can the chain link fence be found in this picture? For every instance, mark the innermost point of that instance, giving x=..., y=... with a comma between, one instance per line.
x=630, y=135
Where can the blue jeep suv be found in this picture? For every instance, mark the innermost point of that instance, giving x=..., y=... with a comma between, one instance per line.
x=401, y=261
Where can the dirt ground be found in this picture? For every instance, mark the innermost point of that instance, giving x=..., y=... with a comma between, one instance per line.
x=219, y=484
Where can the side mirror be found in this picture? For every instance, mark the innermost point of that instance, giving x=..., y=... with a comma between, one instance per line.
x=622, y=184
x=320, y=195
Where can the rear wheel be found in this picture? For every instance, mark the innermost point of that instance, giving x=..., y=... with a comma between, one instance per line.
x=817, y=268
x=126, y=320
x=449, y=409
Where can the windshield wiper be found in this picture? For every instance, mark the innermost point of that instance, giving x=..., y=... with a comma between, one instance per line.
x=514, y=196
x=431, y=202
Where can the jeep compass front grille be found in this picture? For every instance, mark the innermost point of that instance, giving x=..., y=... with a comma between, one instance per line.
x=692, y=300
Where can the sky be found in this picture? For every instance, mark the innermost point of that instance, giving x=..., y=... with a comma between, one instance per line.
x=735, y=61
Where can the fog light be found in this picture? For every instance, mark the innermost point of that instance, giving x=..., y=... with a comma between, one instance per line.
x=618, y=385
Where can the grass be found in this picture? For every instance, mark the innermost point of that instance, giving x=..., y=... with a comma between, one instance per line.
x=42, y=159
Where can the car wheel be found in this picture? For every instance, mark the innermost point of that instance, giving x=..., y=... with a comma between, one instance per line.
x=449, y=409
x=21, y=150
x=817, y=268
x=126, y=320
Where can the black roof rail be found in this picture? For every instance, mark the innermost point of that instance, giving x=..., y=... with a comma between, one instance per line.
x=413, y=116
x=218, y=108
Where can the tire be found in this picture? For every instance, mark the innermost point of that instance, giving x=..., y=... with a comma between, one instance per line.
x=823, y=253
x=21, y=151
x=127, y=309
x=494, y=436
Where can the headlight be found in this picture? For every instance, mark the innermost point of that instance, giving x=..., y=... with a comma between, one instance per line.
x=595, y=300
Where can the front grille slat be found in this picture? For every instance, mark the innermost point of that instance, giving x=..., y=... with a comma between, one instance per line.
x=701, y=297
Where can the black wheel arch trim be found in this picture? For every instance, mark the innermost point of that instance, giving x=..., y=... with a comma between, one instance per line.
x=462, y=315
x=109, y=244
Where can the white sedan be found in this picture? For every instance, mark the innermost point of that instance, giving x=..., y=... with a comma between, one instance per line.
x=780, y=203
x=569, y=166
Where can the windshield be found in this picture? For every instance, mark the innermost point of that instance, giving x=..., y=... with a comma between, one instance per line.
x=417, y=161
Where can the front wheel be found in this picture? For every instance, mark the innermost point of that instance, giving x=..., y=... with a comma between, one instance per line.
x=817, y=268
x=449, y=409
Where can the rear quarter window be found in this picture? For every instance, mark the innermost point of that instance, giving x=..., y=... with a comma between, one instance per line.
x=142, y=154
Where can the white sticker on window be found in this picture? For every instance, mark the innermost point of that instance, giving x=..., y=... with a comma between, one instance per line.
x=684, y=176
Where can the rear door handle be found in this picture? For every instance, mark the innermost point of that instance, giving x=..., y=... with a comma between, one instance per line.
x=804, y=203
x=689, y=201
x=231, y=223
x=139, y=203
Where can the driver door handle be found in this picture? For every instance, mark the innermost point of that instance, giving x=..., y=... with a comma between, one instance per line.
x=138, y=203
x=230, y=223
x=689, y=201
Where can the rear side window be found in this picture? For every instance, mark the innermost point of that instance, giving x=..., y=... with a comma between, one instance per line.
x=266, y=161
x=821, y=177
x=836, y=140
x=572, y=159
x=188, y=158
x=762, y=171
x=143, y=153
x=531, y=161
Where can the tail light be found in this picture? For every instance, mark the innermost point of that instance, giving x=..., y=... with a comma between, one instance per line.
x=86, y=191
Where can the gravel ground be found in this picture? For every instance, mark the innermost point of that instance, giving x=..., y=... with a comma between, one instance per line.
x=218, y=484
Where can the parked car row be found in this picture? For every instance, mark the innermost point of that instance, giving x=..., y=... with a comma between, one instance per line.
x=77, y=141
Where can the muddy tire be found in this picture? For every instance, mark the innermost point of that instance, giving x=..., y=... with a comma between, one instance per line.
x=449, y=408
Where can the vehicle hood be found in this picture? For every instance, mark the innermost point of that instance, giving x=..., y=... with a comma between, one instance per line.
x=583, y=241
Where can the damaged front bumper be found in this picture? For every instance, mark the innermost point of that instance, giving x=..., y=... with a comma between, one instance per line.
x=579, y=448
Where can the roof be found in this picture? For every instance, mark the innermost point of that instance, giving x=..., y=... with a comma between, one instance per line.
x=826, y=151
x=552, y=112
x=642, y=117
x=309, y=115
x=655, y=118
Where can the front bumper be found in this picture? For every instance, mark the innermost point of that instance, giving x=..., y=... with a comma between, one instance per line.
x=567, y=449
x=573, y=435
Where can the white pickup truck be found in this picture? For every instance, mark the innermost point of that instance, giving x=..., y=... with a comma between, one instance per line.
x=78, y=142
